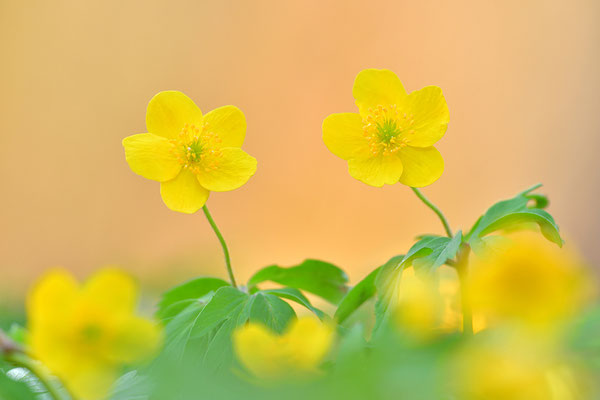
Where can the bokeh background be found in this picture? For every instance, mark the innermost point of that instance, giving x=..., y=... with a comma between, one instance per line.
x=520, y=77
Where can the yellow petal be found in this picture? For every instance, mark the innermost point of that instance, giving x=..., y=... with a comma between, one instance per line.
x=373, y=87
x=52, y=297
x=430, y=115
x=233, y=168
x=90, y=382
x=151, y=156
x=259, y=350
x=308, y=341
x=137, y=340
x=184, y=193
x=343, y=136
x=422, y=166
x=169, y=111
x=377, y=170
x=113, y=289
x=229, y=123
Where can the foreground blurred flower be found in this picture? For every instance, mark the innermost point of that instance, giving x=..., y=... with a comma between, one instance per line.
x=297, y=352
x=85, y=333
x=188, y=153
x=511, y=368
x=531, y=282
x=391, y=138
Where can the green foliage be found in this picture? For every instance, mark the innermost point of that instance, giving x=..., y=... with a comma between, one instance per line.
x=363, y=291
x=11, y=389
x=295, y=295
x=317, y=277
x=431, y=252
x=515, y=213
x=180, y=297
x=202, y=331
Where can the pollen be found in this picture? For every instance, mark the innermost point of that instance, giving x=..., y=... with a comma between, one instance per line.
x=198, y=148
x=387, y=130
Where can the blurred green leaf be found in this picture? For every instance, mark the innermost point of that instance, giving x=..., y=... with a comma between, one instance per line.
x=317, y=277
x=432, y=252
x=178, y=298
x=11, y=389
x=360, y=293
x=271, y=311
x=515, y=213
x=295, y=295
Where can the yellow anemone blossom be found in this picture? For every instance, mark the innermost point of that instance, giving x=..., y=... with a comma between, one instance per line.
x=190, y=154
x=297, y=352
x=531, y=282
x=391, y=139
x=85, y=333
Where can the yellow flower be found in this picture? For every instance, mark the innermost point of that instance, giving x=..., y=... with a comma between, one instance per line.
x=84, y=334
x=190, y=154
x=391, y=139
x=511, y=368
x=297, y=352
x=531, y=282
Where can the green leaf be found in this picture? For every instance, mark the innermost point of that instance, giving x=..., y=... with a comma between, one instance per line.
x=203, y=331
x=11, y=389
x=271, y=311
x=360, y=293
x=180, y=297
x=431, y=252
x=387, y=284
x=295, y=295
x=513, y=214
x=317, y=277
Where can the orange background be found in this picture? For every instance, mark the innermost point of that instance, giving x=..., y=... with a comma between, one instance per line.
x=520, y=78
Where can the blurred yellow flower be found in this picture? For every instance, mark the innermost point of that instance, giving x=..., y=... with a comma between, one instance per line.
x=511, y=369
x=297, y=352
x=391, y=139
x=84, y=334
x=530, y=282
x=190, y=154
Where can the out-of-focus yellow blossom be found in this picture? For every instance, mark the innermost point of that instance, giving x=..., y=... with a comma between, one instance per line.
x=85, y=333
x=531, y=282
x=298, y=352
x=190, y=154
x=511, y=369
x=391, y=139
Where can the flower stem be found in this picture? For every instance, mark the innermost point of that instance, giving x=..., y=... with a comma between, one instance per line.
x=14, y=354
x=435, y=210
x=462, y=266
x=223, y=245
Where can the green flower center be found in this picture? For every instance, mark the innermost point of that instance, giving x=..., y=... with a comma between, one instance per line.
x=386, y=129
x=198, y=149
x=91, y=333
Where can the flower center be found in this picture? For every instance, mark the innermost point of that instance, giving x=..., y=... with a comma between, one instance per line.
x=91, y=333
x=386, y=129
x=198, y=149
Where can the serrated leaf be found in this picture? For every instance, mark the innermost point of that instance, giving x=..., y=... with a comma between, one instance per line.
x=295, y=295
x=317, y=277
x=180, y=297
x=387, y=284
x=431, y=252
x=363, y=291
x=513, y=214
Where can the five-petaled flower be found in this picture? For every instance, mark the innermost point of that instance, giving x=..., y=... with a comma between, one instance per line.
x=190, y=154
x=391, y=139
x=84, y=334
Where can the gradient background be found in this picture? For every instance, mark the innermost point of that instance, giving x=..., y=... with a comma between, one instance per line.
x=521, y=79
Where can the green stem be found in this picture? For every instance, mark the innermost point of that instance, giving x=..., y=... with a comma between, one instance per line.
x=462, y=267
x=435, y=210
x=20, y=359
x=223, y=245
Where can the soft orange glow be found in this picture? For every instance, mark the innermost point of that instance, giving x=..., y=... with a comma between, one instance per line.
x=520, y=79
